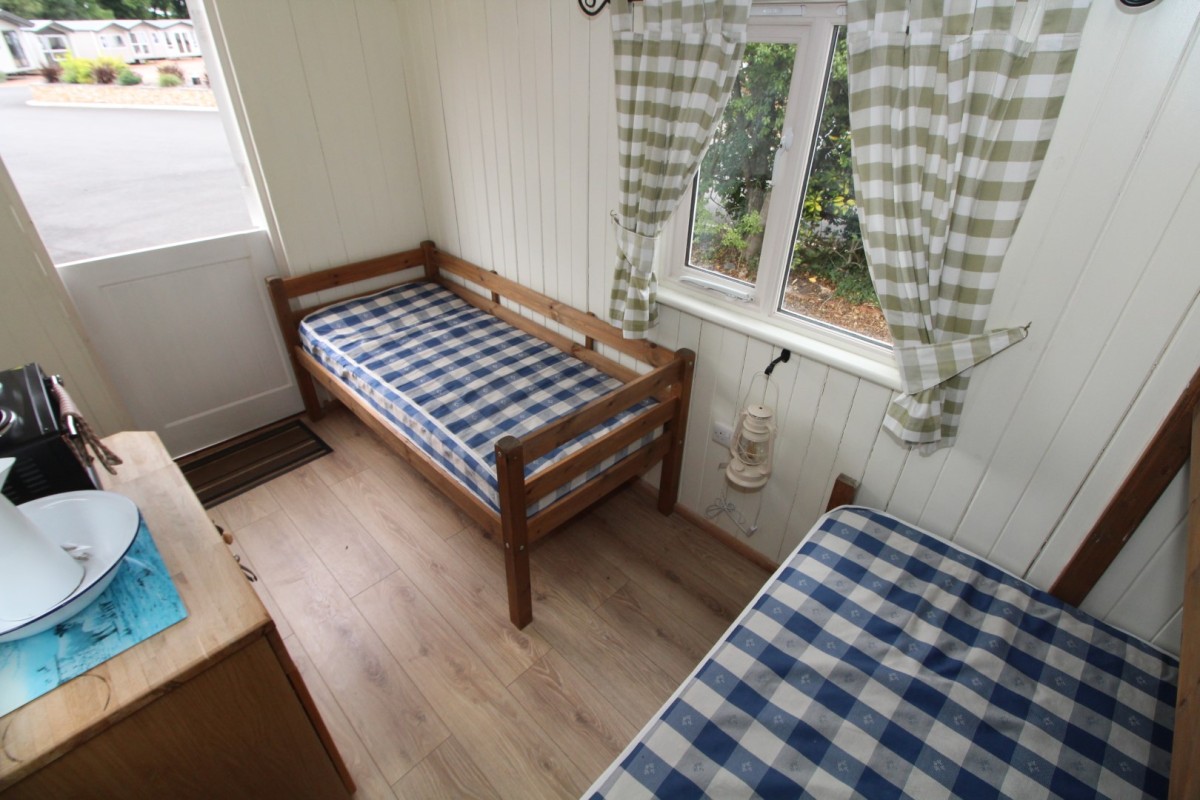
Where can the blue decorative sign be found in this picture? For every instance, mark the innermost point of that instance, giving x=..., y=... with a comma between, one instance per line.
x=140, y=602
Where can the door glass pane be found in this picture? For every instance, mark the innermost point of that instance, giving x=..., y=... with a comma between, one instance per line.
x=112, y=157
x=828, y=280
x=733, y=194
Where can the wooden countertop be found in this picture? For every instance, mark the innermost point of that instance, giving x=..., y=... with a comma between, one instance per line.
x=224, y=614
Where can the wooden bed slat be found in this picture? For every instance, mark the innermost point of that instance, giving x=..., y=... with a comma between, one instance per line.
x=299, y=314
x=1157, y=467
x=353, y=273
x=549, y=479
x=571, y=348
x=563, y=430
x=1185, y=750
x=554, y=515
x=587, y=324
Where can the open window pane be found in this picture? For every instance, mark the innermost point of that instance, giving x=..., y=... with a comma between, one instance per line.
x=828, y=279
x=733, y=195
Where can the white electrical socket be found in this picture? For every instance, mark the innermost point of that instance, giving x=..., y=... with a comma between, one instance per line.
x=722, y=434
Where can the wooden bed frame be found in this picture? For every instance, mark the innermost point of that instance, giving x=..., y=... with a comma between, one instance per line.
x=669, y=381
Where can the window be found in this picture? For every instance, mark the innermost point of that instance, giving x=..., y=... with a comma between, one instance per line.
x=54, y=46
x=773, y=227
x=15, y=49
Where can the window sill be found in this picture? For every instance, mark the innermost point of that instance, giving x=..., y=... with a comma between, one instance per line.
x=874, y=364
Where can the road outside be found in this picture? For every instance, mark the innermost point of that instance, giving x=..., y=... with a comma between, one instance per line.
x=101, y=181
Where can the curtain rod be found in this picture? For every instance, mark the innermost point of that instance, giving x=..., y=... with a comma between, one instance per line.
x=594, y=7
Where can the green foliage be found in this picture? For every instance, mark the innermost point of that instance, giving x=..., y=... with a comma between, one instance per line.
x=836, y=257
x=828, y=238
x=720, y=243
x=51, y=72
x=737, y=167
x=128, y=77
x=97, y=9
x=77, y=70
x=171, y=69
x=830, y=191
x=734, y=184
x=166, y=79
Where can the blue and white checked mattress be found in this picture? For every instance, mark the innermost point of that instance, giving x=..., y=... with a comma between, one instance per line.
x=453, y=379
x=882, y=662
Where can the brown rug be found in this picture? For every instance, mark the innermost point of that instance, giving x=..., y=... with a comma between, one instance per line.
x=228, y=469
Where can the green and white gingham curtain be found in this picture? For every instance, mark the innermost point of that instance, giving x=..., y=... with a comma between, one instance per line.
x=674, y=71
x=952, y=103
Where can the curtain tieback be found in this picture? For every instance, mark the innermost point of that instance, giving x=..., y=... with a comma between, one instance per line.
x=924, y=366
x=635, y=248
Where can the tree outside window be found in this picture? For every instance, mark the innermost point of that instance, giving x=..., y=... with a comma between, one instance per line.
x=827, y=278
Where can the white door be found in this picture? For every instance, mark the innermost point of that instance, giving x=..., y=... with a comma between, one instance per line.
x=188, y=336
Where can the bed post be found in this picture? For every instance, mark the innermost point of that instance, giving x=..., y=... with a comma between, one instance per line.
x=429, y=249
x=514, y=526
x=843, y=492
x=291, y=340
x=672, y=464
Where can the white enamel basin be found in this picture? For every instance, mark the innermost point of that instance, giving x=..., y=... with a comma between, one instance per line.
x=105, y=522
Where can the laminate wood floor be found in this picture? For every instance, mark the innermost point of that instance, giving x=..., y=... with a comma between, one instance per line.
x=392, y=604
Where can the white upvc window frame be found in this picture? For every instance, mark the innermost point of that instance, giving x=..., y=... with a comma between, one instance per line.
x=756, y=309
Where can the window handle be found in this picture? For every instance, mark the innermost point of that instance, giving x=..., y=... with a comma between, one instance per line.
x=785, y=144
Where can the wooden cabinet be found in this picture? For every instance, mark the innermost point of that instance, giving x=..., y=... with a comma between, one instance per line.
x=210, y=707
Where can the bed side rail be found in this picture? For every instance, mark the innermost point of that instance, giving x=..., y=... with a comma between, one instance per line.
x=668, y=384
x=348, y=274
x=663, y=381
x=589, y=325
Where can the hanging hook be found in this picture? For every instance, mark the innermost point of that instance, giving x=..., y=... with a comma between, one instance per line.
x=785, y=356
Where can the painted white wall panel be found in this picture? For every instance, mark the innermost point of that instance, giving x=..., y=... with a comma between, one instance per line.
x=324, y=91
x=37, y=321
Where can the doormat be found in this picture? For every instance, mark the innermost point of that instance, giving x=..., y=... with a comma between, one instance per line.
x=228, y=469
